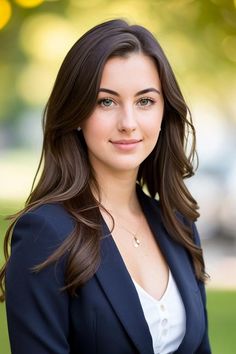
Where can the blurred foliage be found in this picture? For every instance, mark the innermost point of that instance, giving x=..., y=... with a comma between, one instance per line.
x=198, y=36
x=222, y=320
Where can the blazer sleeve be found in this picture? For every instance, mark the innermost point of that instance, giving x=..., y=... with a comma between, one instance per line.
x=204, y=347
x=37, y=310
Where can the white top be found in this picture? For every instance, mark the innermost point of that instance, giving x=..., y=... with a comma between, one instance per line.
x=166, y=317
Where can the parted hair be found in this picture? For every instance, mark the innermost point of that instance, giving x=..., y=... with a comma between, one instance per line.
x=65, y=175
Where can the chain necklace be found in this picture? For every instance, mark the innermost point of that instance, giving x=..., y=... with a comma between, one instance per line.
x=135, y=240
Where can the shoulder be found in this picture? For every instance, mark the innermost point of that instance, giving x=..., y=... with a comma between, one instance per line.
x=44, y=227
x=54, y=215
x=51, y=212
x=36, y=235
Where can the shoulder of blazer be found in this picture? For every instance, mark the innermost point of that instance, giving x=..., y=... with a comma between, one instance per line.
x=37, y=309
x=39, y=232
x=52, y=214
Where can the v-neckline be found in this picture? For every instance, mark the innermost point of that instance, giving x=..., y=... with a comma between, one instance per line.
x=161, y=299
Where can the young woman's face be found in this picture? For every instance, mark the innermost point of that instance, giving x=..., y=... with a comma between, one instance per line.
x=124, y=127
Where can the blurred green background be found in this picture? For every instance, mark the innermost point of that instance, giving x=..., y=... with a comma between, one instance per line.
x=199, y=38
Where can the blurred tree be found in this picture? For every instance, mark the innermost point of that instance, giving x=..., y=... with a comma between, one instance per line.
x=198, y=36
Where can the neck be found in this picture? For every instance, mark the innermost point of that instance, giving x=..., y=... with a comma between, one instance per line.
x=118, y=192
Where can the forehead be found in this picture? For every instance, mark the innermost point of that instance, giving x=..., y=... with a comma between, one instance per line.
x=136, y=69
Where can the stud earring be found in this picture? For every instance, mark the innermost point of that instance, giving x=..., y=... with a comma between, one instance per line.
x=78, y=129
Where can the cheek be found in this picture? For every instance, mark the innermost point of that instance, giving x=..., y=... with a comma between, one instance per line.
x=152, y=128
x=96, y=131
x=152, y=132
x=89, y=128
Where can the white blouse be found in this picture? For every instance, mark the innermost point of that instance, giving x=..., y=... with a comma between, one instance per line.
x=166, y=317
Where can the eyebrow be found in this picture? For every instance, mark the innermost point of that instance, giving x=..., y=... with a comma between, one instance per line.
x=150, y=89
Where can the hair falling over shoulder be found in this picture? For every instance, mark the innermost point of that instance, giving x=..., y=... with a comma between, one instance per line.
x=64, y=174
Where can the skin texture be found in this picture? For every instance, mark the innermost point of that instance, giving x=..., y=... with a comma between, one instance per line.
x=121, y=132
x=117, y=120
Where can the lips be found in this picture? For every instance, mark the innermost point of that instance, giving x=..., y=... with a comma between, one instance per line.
x=126, y=141
x=126, y=145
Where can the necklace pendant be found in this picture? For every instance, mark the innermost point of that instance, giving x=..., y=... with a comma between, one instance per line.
x=136, y=242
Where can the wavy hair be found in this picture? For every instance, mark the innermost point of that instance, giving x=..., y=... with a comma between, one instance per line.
x=64, y=173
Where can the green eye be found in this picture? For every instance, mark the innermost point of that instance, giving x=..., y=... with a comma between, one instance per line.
x=146, y=101
x=105, y=102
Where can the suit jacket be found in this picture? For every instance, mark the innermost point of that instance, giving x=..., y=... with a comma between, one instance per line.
x=106, y=317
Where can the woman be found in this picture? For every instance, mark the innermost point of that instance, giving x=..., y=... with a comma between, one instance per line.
x=97, y=265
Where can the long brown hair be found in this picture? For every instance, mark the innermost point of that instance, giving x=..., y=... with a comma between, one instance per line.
x=64, y=169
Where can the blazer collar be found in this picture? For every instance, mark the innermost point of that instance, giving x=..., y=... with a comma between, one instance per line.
x=115, y=280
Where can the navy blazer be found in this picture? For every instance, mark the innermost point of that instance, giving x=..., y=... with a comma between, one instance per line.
x=106, y=317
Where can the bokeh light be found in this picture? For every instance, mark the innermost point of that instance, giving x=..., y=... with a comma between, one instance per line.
x=5, y=13
x=200, y=42
x=35, y=82
x=47, y=37
x=229, y=47
x=86, y=13
x=29, y=3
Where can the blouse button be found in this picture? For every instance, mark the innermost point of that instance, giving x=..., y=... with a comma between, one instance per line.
x=162, y=307
x=164, y=322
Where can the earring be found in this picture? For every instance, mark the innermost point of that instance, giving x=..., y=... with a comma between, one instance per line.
x=78, y=129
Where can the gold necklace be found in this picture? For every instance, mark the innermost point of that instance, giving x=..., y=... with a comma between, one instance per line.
x=135, y=241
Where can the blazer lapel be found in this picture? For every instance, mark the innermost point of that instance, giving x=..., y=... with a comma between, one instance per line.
x=180, y=266
x=117, y=284
x=121, y=293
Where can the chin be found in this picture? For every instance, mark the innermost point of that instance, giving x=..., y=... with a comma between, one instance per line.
x=127, y=167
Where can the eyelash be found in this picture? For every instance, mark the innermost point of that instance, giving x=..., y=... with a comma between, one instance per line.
x=103, y=99
x=151, y=100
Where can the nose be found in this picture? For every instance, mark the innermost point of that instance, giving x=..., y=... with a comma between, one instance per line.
x=127, y=121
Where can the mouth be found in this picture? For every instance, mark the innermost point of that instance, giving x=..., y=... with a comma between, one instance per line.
x=126, y=141
x=126, y=144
